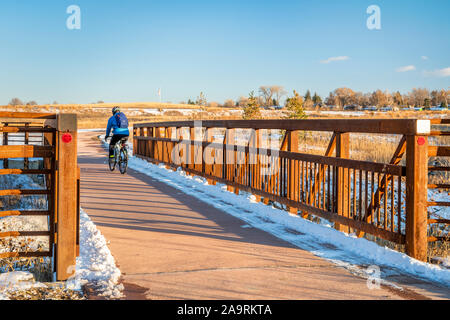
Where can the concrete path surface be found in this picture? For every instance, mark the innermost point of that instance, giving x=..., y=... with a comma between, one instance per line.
x=170, y=245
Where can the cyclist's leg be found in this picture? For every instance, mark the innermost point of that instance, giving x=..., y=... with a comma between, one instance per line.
x=112, y=144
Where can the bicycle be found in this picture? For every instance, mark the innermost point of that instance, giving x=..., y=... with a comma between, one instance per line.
x=120, y=156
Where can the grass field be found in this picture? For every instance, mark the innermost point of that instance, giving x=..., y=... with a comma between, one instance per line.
x=96, y=115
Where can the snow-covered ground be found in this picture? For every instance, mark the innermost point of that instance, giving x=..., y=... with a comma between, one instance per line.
x=345, y=250
x=95, y=265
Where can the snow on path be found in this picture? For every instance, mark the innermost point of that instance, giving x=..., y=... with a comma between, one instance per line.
x=95, y=265
x=324, y=241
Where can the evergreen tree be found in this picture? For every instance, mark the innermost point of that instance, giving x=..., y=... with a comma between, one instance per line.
x=316, y=98
x=308, y=95
x=295, y=106
x=251, y=110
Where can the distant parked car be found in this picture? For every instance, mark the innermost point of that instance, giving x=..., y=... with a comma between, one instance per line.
x=436, y=108
x=387, y=108
x=370, y=108
x=351, y=108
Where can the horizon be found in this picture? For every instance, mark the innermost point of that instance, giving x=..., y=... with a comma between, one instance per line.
x=126, y=52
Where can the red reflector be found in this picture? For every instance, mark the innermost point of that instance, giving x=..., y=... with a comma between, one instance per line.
x=67, y=138
x=421, y=141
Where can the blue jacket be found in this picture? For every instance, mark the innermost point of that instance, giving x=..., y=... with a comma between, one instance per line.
x=112, y=125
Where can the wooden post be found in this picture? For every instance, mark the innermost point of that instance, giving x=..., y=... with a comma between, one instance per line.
x=292, y=186
x=416, y=196
x=255, y=144
x=230, y=159
x=135, y=151
x=51, y=181
x=342, y=182
x=27, y=138
x=66, y=227
x=210, y=169
x=5, y=143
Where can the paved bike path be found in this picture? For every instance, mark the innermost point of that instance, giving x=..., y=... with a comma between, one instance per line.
x=170, y=245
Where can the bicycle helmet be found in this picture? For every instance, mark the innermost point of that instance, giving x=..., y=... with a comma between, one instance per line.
x=115, y=110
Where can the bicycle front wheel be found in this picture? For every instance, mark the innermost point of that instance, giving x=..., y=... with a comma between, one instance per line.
x=123, y=161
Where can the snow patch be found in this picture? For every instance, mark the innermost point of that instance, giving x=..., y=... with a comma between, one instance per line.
x=95, y=265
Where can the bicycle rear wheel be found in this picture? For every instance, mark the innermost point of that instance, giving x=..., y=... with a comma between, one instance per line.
x=123, y=161
x=112, y=162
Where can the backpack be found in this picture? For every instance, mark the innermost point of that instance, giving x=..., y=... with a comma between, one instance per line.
x=121, y=120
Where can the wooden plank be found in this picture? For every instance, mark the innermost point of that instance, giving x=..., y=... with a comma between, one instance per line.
x=25, y=254
x=416, y=196
x=22, y=171
x=444, y=221
x=342, y=183
x=30, y=129
x=438, y=168
x=434, y=239
x=27, y=115
x=440, y=133
x=253, y=151
x=440, y=121
x=66, y=198
x=16, y=213
x=15, y=234
x=438, y=151
x=438, y=204
x=25, y=152
x=292, y=186
x=17, y=192
x=439, y=186
x=388, y=126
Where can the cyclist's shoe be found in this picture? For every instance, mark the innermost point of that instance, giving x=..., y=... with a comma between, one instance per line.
x=111, y=156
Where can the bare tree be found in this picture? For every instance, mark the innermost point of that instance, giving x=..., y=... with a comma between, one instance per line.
x=418, y=95
x=229, y=103
x=344, y=96
x=378, y=98
x=266, y=95
x=279, y=93
x=16, y=102
x=330, y=100
x=201, y=100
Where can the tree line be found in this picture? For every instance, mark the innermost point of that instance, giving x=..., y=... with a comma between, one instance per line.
x=272, y=96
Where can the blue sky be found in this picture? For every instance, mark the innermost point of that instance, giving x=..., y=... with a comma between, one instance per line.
x=126, y=50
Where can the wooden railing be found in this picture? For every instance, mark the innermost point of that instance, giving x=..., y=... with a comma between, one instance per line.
x=441, y=149
x=52, y=139
x=386, y=200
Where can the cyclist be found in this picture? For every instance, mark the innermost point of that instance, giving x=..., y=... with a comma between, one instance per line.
x=118, y=124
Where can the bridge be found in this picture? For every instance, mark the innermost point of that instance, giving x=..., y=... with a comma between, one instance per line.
x=171, y=245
